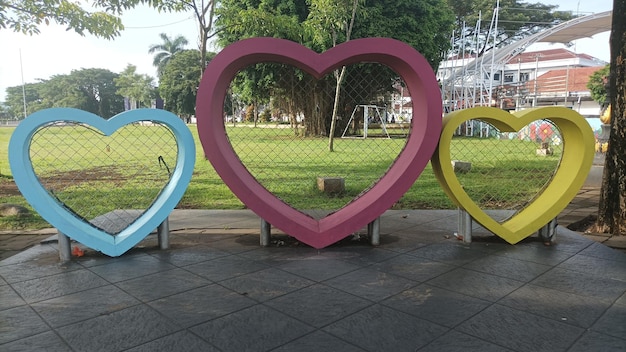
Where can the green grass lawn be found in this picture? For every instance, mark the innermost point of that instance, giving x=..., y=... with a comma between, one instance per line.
x=288, y=166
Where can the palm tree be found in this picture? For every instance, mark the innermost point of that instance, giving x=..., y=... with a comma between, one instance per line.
x=166, y=50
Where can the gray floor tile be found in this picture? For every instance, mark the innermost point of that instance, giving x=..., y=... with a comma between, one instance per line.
x=536, y=253
x=475, y=284
x=58, y=285
x=358, y=255
x=83, y=305
x=200, y=305
x=601, y=251
x=318, y=341
x=318, y=268
x=557, y=305
x=263, y=328
x=97, y=258
x=266, y=284
x=162, y=284
x=449, y=253
x=117, y=331
x=10, y=298
x=131, y=268
x=379, y=328
x=595, y=341
x=225, y=268
x=20, y=322
x=47, y=341
x=181, y=341
x=318, y=305
x=520, y=331
x=581, y=284
x=278, y=255
x=371, y=284
x=413, y=268
x=609, y=269
x=454, y=341
x=437, y=305
x=187, y=256
x=34, y=269
x=621, y=301
x=519, y=270
x=613, y=322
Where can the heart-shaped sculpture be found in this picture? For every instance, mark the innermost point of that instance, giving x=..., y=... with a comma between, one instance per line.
x=65, y=220
x=426, y=125
x=570, y=175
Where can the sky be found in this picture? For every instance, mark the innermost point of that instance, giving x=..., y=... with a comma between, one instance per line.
x=54, y=51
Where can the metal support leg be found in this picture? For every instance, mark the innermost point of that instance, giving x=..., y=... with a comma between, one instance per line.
x=548, y=232
x=465, y=226
x=266, y=233
x=65, y=248
x=373, y=231
x=163, y=234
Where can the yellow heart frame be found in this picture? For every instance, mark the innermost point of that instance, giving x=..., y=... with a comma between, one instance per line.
x=570, y=175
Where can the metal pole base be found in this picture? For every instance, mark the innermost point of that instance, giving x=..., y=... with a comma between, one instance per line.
x=373, y=231
x=548, y=232
x=465, y=226
x=65, y=247
x=163, y=234
x=266, y=233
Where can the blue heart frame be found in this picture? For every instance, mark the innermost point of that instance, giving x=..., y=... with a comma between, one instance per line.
x=64, y=220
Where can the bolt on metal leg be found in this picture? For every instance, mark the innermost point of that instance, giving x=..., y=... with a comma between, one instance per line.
x=163, y=234
x=266, y=233
x=465, y=226
x=548, y=232
x=65, y=248
x=373, y=231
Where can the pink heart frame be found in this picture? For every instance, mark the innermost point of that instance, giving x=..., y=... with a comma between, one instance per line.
x=421, y=143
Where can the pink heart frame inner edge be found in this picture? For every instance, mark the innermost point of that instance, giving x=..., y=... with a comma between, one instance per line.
x=423, y=138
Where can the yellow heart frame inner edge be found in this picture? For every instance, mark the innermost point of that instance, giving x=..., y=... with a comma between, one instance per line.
x=571, y=173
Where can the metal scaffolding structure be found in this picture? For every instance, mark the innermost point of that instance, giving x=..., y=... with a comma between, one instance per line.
x=468, y=81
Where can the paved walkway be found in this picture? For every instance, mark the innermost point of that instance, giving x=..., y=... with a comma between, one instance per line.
x=216, y=289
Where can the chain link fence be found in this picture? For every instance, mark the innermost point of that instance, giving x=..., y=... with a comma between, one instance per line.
x=502, y=170
x=108, y=181
x=278, y=120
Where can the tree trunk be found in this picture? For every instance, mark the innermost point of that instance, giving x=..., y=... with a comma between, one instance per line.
x=612, y=207
x=333, y=120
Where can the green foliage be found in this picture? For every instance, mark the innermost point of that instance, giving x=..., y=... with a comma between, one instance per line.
x=179, y=82
x=92, y=90
x=137, y=87
x=598, y=85
x=166, y=50
x=27, y=16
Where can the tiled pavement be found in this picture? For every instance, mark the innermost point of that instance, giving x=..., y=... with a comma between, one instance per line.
x=217, y=290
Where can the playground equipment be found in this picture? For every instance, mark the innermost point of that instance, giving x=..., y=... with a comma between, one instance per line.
x=371, y=115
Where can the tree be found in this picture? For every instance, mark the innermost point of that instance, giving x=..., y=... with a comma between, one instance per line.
x=598, y=85
x=179, y=82
x=27, y=15
x=166, y=50
x=612, y=207
x=424, y=24
x=335, y=18
x=137, y=88
x=516, y=20
x=91, y=90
